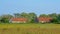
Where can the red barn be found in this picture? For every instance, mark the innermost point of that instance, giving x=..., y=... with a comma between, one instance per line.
x=44, y=19
x=18, y=20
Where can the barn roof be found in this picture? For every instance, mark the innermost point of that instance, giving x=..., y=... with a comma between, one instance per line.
x=44, y=18
x=19, y=19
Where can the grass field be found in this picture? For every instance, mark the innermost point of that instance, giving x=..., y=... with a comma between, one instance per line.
x=29, y=28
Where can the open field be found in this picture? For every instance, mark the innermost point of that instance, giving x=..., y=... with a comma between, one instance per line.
x=29, y=28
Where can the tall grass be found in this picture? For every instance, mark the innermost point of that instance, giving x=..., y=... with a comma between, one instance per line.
x=29, y=28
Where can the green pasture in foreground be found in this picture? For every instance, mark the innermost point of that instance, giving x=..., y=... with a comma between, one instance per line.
x=30, y=25
x=29, y=28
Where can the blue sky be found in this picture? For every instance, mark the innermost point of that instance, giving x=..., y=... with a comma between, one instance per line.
x=36, y=6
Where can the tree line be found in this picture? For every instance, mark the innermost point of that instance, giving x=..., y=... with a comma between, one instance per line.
x=30, y=16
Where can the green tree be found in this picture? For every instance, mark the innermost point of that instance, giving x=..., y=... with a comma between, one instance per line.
x=58, y=18
x=32, y=17
x=6, y=18
x=54, y=16
x=43, y=15
x=17, y=15
x=24, y=15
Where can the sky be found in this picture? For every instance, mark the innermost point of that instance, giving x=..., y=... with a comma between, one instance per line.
x=36, y=6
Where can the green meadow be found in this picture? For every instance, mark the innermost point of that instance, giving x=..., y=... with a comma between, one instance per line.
x=29, y=28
